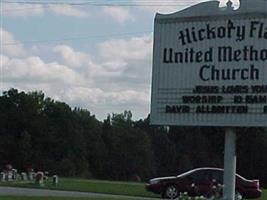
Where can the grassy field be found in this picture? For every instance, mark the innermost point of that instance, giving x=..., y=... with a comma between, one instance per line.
x=82, y=185
x=264, y=195
x=70, y=198
x=107, y=187
x=53, y=198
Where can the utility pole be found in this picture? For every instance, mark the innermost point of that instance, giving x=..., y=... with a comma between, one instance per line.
x=229, y=177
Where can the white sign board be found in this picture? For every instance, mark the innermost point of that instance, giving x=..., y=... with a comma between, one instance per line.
x=210, y=66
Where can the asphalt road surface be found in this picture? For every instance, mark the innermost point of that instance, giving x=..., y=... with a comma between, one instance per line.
x=10, y=191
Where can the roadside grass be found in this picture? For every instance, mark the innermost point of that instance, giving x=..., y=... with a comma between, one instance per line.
x=264, y=195
x=84, y=185
x=55, y=198
x=83, y=198
x=96, y=186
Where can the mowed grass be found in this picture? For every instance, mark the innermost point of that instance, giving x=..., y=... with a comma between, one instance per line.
x=54, y=198
x=264, y=197
x=107, y=187
x=96, y=186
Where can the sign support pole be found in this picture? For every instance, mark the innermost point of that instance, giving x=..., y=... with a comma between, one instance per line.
x=229, y=177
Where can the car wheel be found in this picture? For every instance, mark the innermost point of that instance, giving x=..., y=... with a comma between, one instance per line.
x=170, y=192
x=238, y=196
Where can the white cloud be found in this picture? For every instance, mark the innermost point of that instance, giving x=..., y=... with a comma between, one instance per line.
x=113, y=77
x=18, y=10
x=82, y=62
x=33, y=69
x=71, y=57
x=136, y=48
x=105, y=82
x=93, y=69
x=11, y=46
x=68, y=10
x=115, y=65
x=174, y=5
x=165, y=7
x=121, y=15
x=101, y=102
x=132, y=63
x=97, y=96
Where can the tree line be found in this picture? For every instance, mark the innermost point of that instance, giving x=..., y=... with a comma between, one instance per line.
x=39, y=132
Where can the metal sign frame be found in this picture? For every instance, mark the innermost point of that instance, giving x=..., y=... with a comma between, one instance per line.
x=170, y=62
x=205, y=68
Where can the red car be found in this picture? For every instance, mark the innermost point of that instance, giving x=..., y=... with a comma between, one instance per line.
x=205, y=182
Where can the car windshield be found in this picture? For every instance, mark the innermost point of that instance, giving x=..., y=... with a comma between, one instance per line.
x=241, y=177
x=186, y=173
x=192, y=171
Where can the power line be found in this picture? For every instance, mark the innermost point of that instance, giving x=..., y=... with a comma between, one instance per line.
x=102, y=5
x=115, y=3
x=93, y=3
x=75, y=38
x=107, y=5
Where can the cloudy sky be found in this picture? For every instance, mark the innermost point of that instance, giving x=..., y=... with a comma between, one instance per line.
x=93, y=54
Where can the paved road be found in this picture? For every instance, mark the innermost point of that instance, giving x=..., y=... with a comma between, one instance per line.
x=10, y=191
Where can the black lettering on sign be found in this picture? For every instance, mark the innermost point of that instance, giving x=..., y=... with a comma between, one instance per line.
x=238, y=99
x=238, y=89
x=177, y=109
x=255, y=99
x=206, y=89
x=212, y=73
x=248, y=53
x=209, y=32
x=222, y=109
x=202, y=99
x=188, y=55
x=258, y=30
x=259, y=88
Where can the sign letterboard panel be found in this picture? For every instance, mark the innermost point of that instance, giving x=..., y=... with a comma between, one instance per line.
x=210, y=70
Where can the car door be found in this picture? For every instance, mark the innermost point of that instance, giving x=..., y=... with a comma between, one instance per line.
x=217, y=177
x=197, y=183
x=217, y=182
x=203, y=182
x=189, y=184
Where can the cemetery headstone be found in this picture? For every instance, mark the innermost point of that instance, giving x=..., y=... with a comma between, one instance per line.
x=55, y=180
x=2, y=176
x=14, y=174
x=39, y=178
x=23, y=176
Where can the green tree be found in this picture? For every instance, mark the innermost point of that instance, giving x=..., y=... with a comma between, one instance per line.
x=129, y=149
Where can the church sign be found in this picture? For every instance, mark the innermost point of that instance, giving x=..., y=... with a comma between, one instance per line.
x=210, y=66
